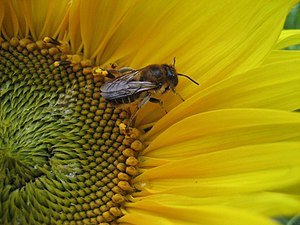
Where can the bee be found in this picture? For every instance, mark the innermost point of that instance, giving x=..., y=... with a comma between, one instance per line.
x=140, y=85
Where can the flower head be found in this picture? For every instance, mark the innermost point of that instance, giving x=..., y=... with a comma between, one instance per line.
x=227, y=154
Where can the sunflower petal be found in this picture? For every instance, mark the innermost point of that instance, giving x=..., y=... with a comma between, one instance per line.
x=268, y=203
x=255, y=162
x=9, y=22
x=150, y=212
x=278, y=56
x=227, y=44
x=37, y=18
x=47, y=18
x=97, y=24
x=257, y=125
x=1, y=16
x=218, y=30
x=288, y=38
x=74, y=27
x=238, y=170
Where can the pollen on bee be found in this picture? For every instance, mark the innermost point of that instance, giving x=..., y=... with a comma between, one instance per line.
x=97, y=71
x=124, y=129
x=129, y=132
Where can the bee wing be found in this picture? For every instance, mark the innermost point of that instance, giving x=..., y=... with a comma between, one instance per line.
x=125, y=86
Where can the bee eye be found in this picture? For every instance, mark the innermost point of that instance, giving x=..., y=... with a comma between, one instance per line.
x=172, y=75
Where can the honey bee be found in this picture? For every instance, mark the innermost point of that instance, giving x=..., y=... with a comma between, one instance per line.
x=141, y=84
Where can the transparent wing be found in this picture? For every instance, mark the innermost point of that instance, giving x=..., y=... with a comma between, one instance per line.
x=125, y=86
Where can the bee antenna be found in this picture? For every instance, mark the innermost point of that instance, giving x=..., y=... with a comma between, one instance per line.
x=183, y=75
x=174, y=60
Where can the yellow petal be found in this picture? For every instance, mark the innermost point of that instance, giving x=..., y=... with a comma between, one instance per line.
x=1, y=15
x=210, y=39
x=237, y=170
x=150, y=212
x=288, y=38
x=224, y=152
x=74, y=28
x=219, y=130
x=97, y=23
x=278, y=56
x=268, y=203
x=40, y=18
x=47, y=18
x=9, y=22
x=222, y=121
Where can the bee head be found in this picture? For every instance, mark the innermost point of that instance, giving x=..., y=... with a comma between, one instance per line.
x=183, y=75
x=171, y=75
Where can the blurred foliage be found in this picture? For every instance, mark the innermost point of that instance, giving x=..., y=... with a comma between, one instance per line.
x=293, y=22
x=293, y=19
x=289, y=221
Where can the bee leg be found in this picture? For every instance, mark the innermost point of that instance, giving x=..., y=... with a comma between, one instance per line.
x=155, y=100
x=112, y=73
x=176, y=93
x=140, y=105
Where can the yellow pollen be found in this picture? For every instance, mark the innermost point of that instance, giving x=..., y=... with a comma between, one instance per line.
x=97, y=71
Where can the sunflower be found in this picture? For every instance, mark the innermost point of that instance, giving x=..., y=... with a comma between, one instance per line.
x=227, y=154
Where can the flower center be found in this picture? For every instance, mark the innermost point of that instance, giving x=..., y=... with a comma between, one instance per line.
x=63, y=157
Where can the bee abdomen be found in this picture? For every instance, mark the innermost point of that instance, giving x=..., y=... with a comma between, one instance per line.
x=126, y=99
